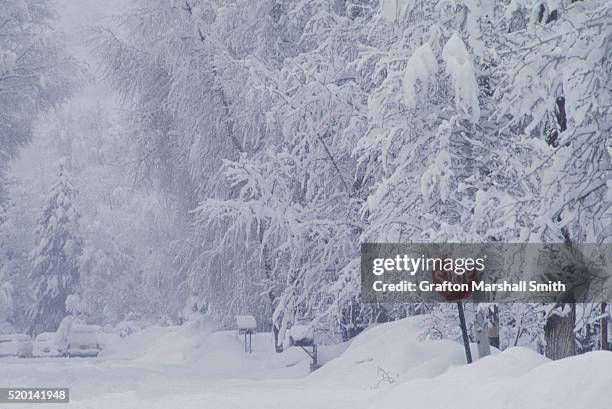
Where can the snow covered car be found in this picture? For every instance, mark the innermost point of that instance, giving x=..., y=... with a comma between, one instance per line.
x=16, y=345
x=83, y=341
x=44, y=345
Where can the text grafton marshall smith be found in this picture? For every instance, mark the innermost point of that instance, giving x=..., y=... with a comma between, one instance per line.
x=447, y=286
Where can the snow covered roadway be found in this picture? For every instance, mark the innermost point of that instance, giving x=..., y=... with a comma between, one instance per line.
x=96, y=383
x=386, y=367
x=182, y=367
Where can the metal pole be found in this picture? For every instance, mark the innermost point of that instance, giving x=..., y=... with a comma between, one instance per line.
x=604, y=327
x=466, y=341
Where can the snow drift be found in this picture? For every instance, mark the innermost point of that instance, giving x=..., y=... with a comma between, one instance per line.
x=215, y=353
x=518, y=378
x=390, y=353
x=392, y=359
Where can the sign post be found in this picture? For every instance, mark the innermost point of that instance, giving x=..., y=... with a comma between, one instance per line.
x=442, y=276
x=466, y=340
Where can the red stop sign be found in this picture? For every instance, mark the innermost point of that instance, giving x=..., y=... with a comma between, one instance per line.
x=441, y=276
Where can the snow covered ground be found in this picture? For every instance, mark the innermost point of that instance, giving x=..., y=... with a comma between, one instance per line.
x=386, y=367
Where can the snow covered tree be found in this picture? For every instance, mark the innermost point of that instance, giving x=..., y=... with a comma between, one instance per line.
x=299, y=197
x=200, y=54
x=16, y=237
x=564, y=123
x=35, y=73
x=55, y=273
x=7, y=307
x=512, y=160
x=286, y=133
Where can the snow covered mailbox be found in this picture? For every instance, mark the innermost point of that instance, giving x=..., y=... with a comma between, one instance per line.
x=302, y=335
x=246, y=326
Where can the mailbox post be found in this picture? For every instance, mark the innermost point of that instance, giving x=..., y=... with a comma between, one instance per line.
x=302, y=335
x=247, y=325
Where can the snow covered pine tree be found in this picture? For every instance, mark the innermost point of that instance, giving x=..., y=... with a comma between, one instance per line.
x=54, y=258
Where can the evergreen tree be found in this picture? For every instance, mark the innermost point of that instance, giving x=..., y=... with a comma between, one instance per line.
x=55, y=271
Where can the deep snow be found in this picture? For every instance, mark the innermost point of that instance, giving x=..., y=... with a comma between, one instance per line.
x=386, y=367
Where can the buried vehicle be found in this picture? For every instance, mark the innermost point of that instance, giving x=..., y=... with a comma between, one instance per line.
x=82, y=341
x=16, y=345
x=44, y=345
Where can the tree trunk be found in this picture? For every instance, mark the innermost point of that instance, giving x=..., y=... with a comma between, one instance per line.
x=267, y=270
x=559, y=334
